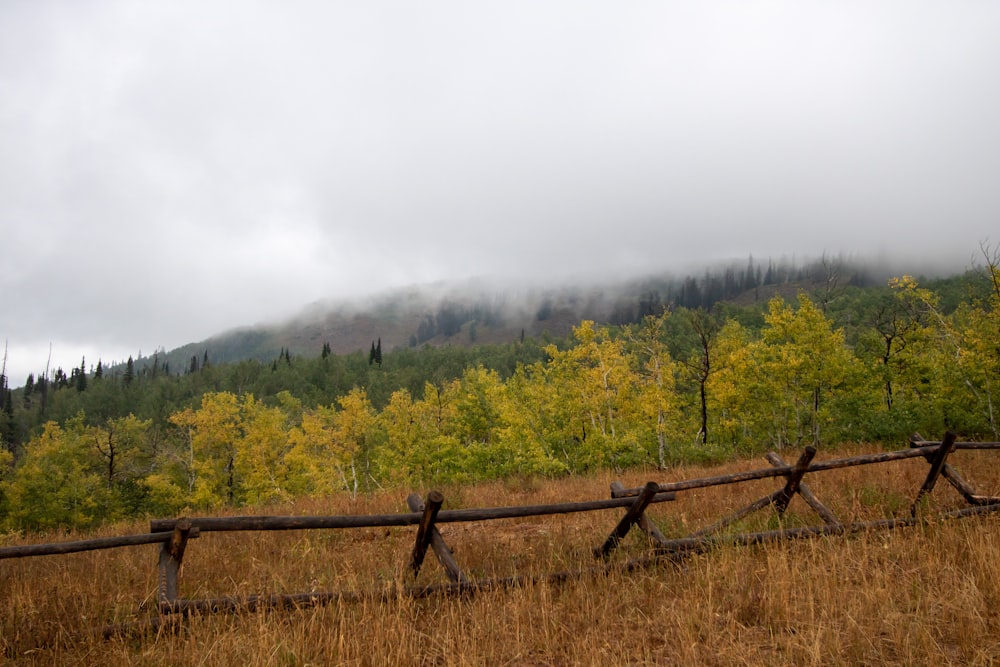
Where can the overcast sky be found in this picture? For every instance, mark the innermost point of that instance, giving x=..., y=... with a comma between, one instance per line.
x=169, y=170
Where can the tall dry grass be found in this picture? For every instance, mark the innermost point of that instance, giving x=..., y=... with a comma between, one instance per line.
x=922, y=595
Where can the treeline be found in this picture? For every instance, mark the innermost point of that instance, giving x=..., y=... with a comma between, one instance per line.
x=850, y=364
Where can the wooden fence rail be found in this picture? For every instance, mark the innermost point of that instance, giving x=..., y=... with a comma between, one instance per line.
x=88, y=545
x=426, y=513
x=230, y=523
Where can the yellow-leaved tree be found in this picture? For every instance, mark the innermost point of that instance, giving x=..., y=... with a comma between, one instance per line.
x=806, y=364
x=730, y=402
x=591, y=392
x=785, y=387
x=487, y=423
x=261, y=470
x=331, y=449
x=210, y=436
x=656, y=404
x=418, y=438
x=352, y=438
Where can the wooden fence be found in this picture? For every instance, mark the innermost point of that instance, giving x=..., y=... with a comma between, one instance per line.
x=426, y=514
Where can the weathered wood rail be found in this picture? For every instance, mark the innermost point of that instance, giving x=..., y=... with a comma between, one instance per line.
x=426, y=513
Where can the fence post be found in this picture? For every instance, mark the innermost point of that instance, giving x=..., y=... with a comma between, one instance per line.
x=956, y=480
x=171, y=555
x=806, y=493
x=794, y=479
x=431, y=508
x=633, y=514
x=441, y=549
x=645, y=523
x=937, y=460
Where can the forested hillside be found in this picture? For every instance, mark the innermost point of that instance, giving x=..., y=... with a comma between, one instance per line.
x=483, y=312
x=819, y=360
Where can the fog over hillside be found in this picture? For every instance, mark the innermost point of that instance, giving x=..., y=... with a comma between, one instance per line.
x=481, y=310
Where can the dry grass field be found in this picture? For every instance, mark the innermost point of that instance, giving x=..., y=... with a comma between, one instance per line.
x=920, y=595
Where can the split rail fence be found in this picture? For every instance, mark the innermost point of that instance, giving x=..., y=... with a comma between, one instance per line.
x=426, y=514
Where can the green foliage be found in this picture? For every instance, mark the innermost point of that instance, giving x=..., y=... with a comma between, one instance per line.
x=58, y=482
x=688, y=385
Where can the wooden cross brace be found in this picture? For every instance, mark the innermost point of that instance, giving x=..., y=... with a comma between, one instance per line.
x=429, y=535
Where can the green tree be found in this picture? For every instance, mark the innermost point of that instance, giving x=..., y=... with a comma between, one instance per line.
x=129, y=371
x=699, y=366
x=58, y=482
x=81, y=376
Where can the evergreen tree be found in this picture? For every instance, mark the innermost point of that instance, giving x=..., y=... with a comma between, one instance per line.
x=371, y=354
x=378, y=353
x=99, y=372
x=81, y=375
x=7, y=422
x=129, y=371
x=43, y=391
x=750, y=276
x=29, y=388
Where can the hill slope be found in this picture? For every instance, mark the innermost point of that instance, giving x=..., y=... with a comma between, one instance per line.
x=479, y=312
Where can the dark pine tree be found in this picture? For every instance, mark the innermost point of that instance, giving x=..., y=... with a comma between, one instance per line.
x=81, y=375
x=7, y=421
x=129, y=371
x=42, y=386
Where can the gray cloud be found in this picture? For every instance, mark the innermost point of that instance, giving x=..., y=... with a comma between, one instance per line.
x=169, y=170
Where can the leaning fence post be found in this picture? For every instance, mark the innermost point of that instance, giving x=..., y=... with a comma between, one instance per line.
x=806, y=493
x=171, y=555
x=633, y=514
x=794, y=479
x=431, y=508
x=437, y=542
x=645, y=523
x=937, y=463
x=953, y=476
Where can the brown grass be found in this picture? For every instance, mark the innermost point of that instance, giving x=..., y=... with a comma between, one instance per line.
x=923, y=595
